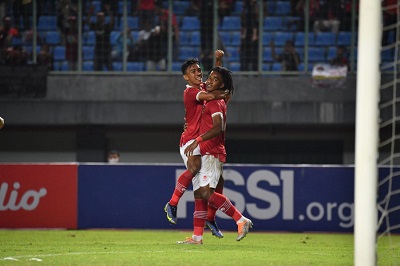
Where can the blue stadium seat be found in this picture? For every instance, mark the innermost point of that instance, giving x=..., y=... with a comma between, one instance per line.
x=190, y=23
x=180, y=7
x=316, y=54
x=184, y=37
x=230, y=23
x=233, y=53
x=266, y=67
x=176, y=66
x=47, y=23
x=121, y=7
x=225, y=37
x=133, y=22
x=87, y=66
x=88, y=52
x=186, y=52
x=344, y=38
x=195, y=38
x=267, y=54
x=235, y=38
x=301, y=67
x=53, y=38
x=63, y=66
x=89, y=38
x=276, y=67
x=135, y=66
x=331, y=52
x=273, y=23
x=325, y=38
x=117, y=66
x=300, y=37
x=234, y=66
x=59, y=53
x=114, y=36
x=270, y=7
x=267, y=38
x=280, y=37
x=282, y=8
x=237, y=9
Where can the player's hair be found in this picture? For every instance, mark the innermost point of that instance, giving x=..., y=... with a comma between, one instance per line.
x=226, y=75
x=188, y=63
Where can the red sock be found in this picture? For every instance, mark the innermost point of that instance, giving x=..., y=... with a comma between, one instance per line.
x=181, y=185
x=199, y=216
x=225, y=205
x=212, y=211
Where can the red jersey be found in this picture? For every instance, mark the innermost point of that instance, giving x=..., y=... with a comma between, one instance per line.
x=216, y=145
x=193, y=108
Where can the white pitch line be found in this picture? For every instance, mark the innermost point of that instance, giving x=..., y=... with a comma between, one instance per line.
x=82, y=253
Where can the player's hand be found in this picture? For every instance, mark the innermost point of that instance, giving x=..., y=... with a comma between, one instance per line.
x=219, y=54
x=189, y=149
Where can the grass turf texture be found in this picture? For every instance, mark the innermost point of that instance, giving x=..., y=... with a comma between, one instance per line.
x=151, y=247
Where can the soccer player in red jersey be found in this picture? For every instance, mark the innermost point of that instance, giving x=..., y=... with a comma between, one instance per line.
x=211, y=145
x=193, y=98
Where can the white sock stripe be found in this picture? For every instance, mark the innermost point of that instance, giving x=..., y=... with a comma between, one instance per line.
x=200, y=214
x=179, y=186
x=226, y=205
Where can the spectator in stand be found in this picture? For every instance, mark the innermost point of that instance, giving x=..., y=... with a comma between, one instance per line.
x=224, y=9
x=45, y=57
x=71, y=37
x=194, y=8
x=103, y=48
x=145, y=10
x=7, y=34
x=207, y=33
x=331, y=13
x=289, y=58
x=65, y=10
x=113, y=157
x=16, y=56
x=249, y=36
x=164, y=19
x=118, y=52
x=341, y=58
x=156, y=49
x=313, y=9
x=23, y=8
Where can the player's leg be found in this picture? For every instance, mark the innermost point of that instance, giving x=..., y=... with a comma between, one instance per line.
x=193, y=164
x=212, y=211
x=199, y=216
x=210, y=172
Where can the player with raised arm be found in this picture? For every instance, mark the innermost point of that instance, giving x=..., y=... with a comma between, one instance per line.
x=211, y=145
x=193, y=98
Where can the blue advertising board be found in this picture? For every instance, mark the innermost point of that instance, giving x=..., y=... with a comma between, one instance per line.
x=276, y=198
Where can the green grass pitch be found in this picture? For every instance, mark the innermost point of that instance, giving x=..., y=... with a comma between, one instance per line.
x=158, y=247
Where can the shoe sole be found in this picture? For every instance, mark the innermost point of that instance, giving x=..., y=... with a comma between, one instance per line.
x=169, y=218
x=245, y=234
x=213, y=233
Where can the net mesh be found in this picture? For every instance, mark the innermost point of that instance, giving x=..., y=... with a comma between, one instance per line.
x=389, y=143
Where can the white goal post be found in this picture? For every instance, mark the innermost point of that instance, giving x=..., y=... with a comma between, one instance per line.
x=367, y=132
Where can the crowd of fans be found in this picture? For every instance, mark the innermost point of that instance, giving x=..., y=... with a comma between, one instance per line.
x=150, y=44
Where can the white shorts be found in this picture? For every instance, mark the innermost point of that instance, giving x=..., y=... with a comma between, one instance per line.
x=182, y=150
x=210, y=172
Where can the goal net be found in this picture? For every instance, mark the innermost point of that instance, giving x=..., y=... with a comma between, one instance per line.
x=389, y=132
x=377, y=163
